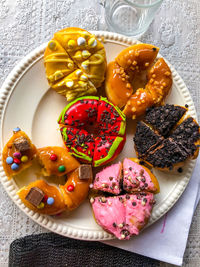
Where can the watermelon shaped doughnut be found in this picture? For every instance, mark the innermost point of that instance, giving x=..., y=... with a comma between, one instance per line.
x=108, y=126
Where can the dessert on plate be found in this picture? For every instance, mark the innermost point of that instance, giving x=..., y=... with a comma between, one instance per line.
x=122, y=73
x=167, y=138
x=55, y=161
x=45, y=198
x=126, y=214
x=75, y=63
x=107, y=122
x=18, y=153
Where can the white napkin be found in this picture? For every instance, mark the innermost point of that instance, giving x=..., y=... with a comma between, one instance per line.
x=166, y=239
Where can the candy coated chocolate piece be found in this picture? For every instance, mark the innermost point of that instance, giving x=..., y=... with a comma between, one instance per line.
x=9, y=160
x=85, y=172
x=53, y=157
x=41, y=205
x=45, y=198
x=17, y=155
x=22, y=144
x=24, y=158
x=14, y=166
x=70, y=188
x=35, y=196
x=61, y=168
x=16, y=160
x=50, y=200
x=17, y=129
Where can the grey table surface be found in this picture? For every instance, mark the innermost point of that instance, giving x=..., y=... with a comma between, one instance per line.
x=24, y=25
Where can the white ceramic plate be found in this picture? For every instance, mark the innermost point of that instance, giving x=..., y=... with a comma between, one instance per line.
x=26, y=101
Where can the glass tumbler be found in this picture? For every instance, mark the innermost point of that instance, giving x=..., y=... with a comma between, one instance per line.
x=130, y=17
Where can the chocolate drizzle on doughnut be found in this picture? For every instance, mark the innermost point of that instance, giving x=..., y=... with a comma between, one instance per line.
x=144, y=133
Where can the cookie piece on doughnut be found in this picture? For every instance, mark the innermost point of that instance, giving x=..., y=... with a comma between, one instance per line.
x=75, y=191
x=164, y=118
x=52, y=202
x=107, y=148
x=79, y=143
x=57, y=62
x=74, y=85
x=109, y=179
x=145, y=138
x=138, y=178
x=80, y=112
x=167, y=154
x=187, y=134
x=18, y=153
x=56, y=161
x=110, y=119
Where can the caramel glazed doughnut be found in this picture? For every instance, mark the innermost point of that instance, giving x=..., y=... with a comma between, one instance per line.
x=39, y=196
x=121, y=75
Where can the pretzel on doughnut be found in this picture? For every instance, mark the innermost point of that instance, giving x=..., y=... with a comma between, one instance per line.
x=122, y=72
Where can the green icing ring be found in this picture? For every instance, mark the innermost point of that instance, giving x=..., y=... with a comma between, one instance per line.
x=111, y=152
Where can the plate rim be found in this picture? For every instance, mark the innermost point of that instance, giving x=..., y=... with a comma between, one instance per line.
x=9, y=185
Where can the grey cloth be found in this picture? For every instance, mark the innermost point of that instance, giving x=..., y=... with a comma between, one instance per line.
x=53, y=250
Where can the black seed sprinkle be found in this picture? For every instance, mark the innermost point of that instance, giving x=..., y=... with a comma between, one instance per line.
x=134, y=203
x=114, y=225
x=180, y=170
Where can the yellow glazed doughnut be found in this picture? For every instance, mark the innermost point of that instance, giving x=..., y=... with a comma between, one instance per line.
x=75, y=63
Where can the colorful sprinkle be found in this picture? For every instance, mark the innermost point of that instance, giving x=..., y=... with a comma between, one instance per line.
x=24, y=159
x=70, y=188
x=14, y=166
x=17, y=155
x=9, y=160
x=17, y=129
x=53, y=157
x=17, y=161
x=41, y=205
x=45, y=198
x=50, y=200
x=61, y=168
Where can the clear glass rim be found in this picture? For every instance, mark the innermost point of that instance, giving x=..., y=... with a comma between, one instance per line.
x=144, y=5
